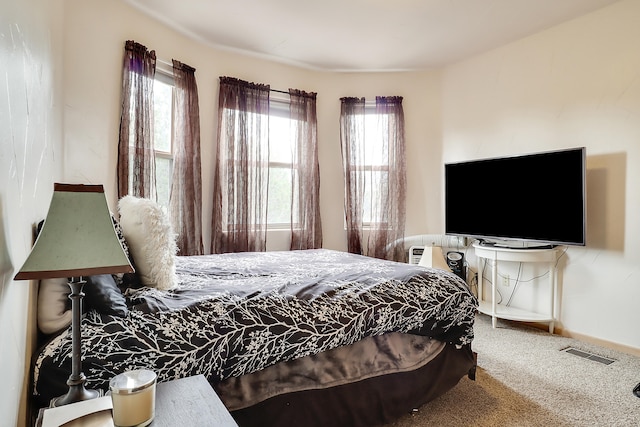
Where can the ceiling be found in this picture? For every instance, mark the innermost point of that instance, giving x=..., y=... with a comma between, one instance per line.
x=363, y=35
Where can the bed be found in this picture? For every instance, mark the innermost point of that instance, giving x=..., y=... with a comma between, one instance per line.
x=311, y=337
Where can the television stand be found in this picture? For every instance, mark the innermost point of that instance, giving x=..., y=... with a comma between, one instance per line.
x=492, y=244
x=501, y=311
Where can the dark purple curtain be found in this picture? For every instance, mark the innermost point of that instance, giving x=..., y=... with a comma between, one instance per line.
x=185, y=202
x=136, y=157
x=242, y=168
x=351, y=139
x=390, y=199
x=306, y=227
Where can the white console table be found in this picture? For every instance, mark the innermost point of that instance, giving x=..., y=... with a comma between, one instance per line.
x=495, y=310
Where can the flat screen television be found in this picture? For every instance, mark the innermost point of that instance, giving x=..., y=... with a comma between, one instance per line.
x=531, y=200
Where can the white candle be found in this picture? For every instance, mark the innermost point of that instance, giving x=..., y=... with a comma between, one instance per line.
x=133, y=394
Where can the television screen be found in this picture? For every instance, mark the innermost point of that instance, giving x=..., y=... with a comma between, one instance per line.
x=539, y=197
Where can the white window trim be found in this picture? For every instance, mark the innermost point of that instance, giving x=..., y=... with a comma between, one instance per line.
x=164, y=74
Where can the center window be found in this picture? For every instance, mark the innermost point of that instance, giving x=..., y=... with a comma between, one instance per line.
x=375, y=165
x=281, y=167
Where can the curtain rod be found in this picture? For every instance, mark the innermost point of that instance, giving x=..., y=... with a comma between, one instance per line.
x=286, y=92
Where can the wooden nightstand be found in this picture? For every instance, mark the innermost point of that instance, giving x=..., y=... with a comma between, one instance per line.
x=184, y=402
x=190, y=402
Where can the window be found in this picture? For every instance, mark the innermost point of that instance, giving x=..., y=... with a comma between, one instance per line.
x=374, y=166
x=163, y=135
x=266, y=167
x=281, y=145
x=281, y=170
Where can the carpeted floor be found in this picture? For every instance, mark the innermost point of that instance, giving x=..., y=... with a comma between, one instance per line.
x=525, y=378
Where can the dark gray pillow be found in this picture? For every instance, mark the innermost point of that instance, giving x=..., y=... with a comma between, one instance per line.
x=125, y=280
x=103, y=295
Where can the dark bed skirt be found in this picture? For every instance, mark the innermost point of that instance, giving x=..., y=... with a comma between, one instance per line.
x=370, y=402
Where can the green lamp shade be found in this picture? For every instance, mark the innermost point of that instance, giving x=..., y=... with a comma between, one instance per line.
x=77, y=238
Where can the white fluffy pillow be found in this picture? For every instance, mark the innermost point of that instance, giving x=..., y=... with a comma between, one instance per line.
x=53, y=309
x=151, y=240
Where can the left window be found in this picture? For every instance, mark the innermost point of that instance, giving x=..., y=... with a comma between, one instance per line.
x=163, y=134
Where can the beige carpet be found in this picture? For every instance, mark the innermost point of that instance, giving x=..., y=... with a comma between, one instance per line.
x=525, y=378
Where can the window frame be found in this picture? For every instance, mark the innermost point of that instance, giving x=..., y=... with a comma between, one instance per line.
x=165, y=76
x=279, y=106
x=370, y=110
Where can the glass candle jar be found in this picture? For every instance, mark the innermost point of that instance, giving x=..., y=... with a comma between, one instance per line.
x=133, y=394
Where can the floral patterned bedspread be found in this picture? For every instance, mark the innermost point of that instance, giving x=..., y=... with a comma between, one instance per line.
x=234, y=314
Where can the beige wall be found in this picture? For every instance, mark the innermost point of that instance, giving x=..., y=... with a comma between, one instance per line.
x=30, y=149
x=573, y=85
x=95, y=33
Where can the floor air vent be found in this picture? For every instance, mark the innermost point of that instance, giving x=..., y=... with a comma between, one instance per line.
x=590, y=356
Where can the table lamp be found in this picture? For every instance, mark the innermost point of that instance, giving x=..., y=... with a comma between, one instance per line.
x=77, y=239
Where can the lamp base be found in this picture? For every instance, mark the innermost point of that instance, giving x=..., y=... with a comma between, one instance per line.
x=75, y=394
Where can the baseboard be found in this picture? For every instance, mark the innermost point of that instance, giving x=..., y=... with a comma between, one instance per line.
x=588, y=339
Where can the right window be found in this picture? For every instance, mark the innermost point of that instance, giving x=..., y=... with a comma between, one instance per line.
x=372, y=140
